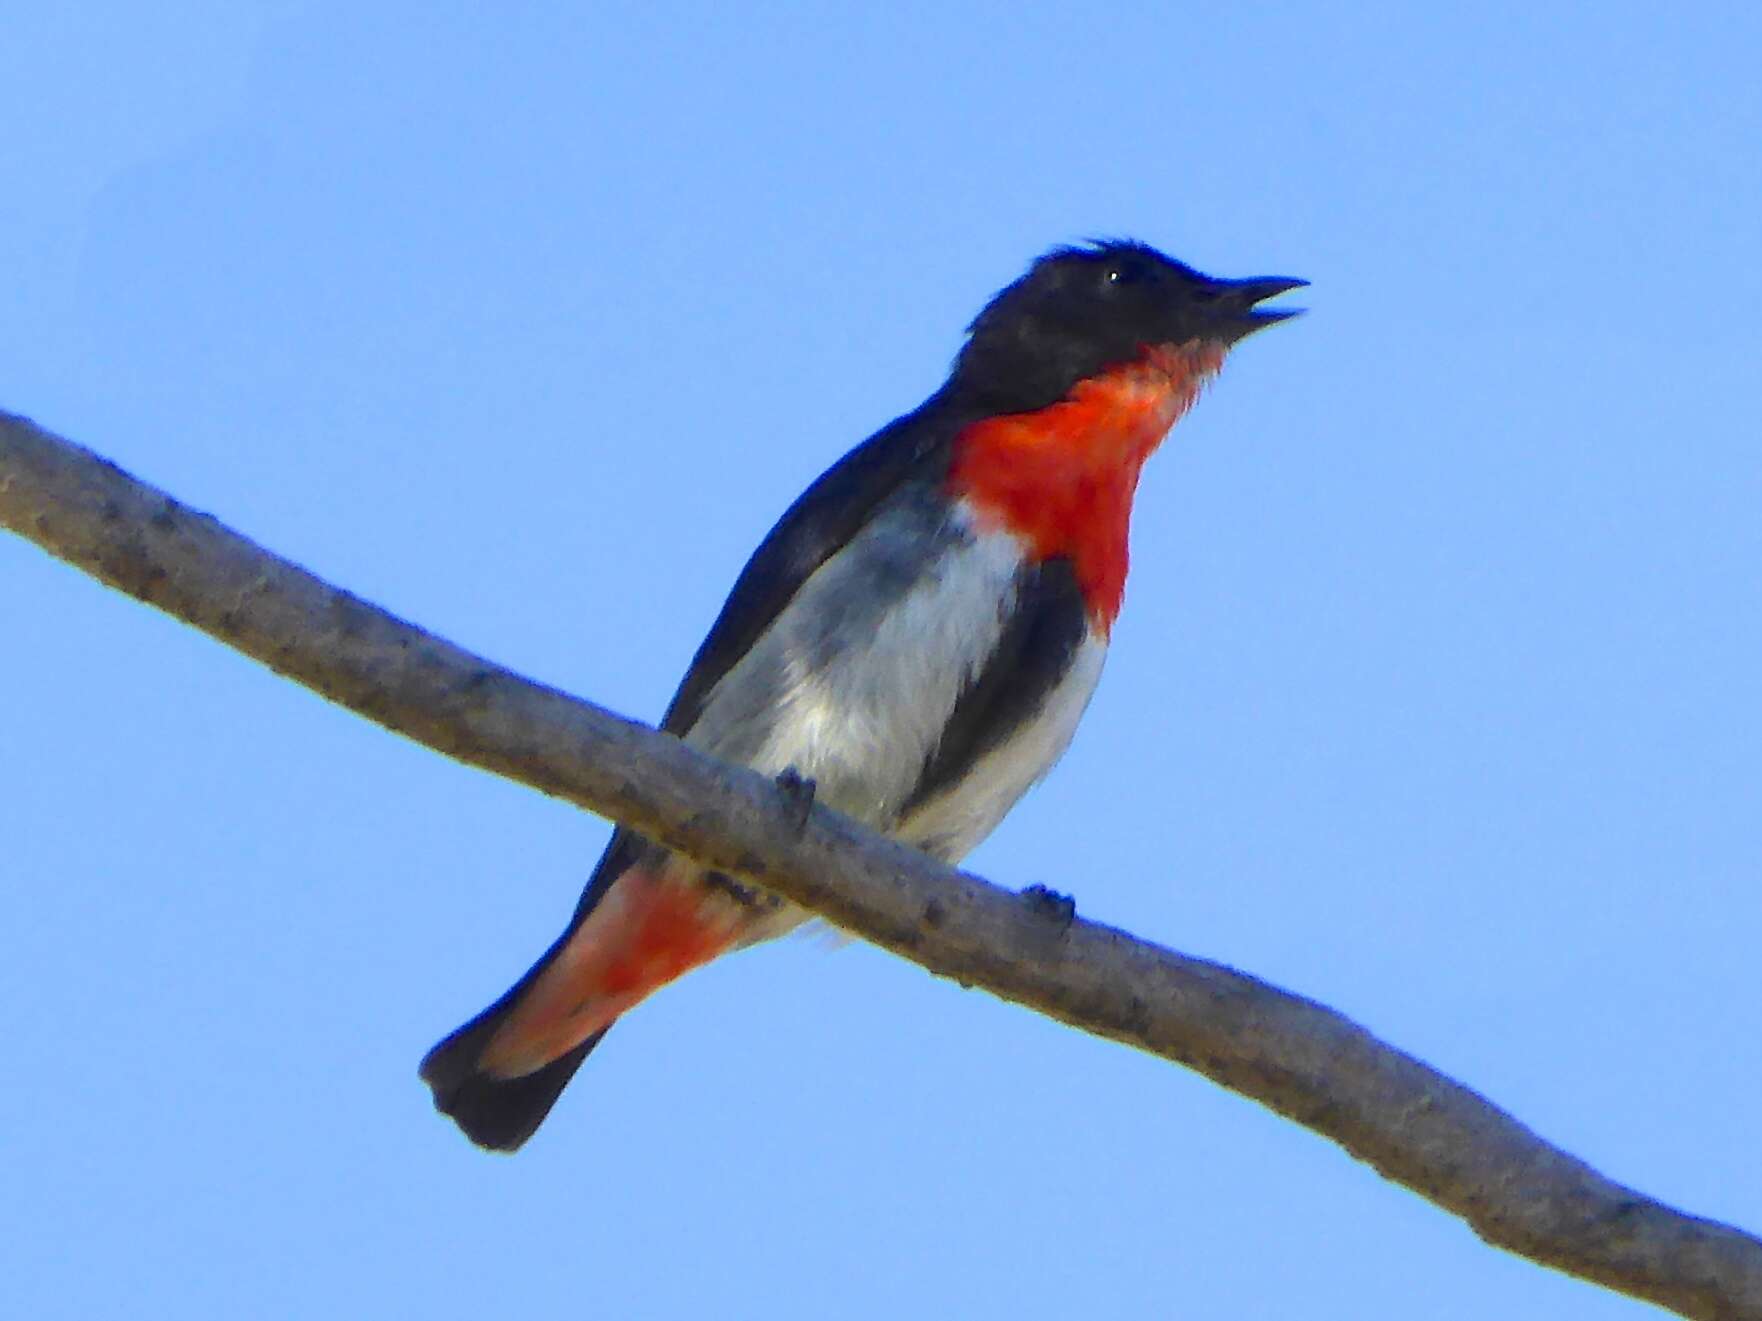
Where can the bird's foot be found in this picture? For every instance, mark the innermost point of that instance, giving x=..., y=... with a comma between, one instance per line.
x=798, y=797
x=1051, y=905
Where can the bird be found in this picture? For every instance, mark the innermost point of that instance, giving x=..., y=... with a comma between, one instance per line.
x=918, y=635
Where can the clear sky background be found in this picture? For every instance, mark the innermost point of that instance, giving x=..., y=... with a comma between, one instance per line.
x=1436, y=695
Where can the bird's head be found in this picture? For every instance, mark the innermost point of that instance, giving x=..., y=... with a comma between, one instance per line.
x=1079, y=311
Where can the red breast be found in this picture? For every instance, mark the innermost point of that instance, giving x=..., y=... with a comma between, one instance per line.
x=1062, y=478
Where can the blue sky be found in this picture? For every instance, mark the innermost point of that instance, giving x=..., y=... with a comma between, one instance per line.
x=1435, y=696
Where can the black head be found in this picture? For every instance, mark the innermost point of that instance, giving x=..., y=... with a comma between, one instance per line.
x=1079, y=311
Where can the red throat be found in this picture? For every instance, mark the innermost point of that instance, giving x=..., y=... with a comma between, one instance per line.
x=1062, y=478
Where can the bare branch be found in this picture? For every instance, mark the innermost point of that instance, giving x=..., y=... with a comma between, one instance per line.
x=1305, y=1061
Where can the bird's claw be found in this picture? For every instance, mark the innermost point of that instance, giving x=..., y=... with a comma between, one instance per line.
x=798, y=796
x=1051, y=905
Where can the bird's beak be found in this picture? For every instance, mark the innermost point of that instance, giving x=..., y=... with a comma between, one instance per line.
x=1236, y=304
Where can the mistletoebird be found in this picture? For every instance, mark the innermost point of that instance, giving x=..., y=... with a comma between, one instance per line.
x=919, y=635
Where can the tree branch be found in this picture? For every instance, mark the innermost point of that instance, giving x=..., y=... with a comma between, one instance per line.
x=1412, y=1124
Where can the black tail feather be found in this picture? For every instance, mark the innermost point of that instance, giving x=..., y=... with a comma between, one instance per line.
x=498, y=1114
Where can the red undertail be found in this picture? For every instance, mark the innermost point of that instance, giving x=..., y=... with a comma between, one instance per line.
x=499, y=1075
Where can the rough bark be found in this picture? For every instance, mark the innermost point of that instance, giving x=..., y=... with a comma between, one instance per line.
x=1305, y=1061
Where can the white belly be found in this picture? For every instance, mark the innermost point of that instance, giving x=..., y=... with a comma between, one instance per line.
x=855, y=680
x=951, y=825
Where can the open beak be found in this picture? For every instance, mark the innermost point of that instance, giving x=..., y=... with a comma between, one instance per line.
x=1237, y=304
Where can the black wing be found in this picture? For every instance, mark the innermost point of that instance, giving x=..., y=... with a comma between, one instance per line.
x=911, y=449
x=815, y=528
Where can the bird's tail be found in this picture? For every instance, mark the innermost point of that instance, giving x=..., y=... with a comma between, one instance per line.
x=498, y=1076
x=498, y=1113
